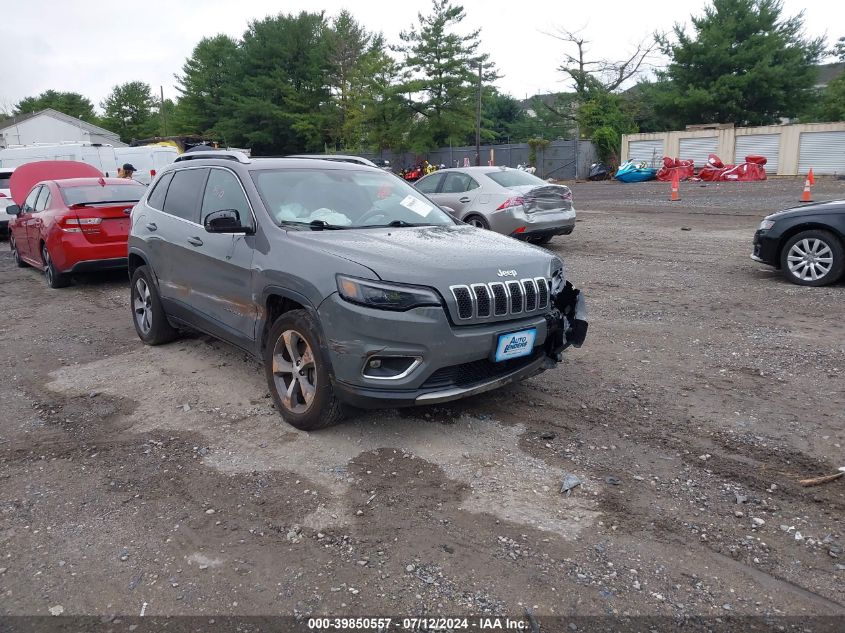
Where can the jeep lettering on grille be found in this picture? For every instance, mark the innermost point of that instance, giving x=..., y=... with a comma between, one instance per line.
x=506, y=273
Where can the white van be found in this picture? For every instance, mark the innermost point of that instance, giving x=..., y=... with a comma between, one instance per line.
x=99, y=155
x=147, y=160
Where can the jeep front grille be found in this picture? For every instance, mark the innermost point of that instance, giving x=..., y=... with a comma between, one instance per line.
x=498, y=299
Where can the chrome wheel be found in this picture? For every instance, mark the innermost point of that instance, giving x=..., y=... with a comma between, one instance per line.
x=810, y=259
x=477, y=222
x=15, y=254
x=142, y=306
x=294, y=371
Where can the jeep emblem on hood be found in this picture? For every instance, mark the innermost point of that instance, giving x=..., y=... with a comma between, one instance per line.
x=506, y=273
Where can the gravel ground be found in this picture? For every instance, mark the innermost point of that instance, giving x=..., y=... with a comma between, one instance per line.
x=707, y=388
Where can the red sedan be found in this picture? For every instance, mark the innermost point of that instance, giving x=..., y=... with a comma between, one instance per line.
x=69, y=219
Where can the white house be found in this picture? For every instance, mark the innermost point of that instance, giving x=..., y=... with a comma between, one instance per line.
x=52, y=126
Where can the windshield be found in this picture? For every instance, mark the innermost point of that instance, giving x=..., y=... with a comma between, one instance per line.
x=94, y=194
x=344, y=198
x=4, y=180
x=514, y=178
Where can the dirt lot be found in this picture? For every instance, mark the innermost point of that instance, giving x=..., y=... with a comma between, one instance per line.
x=708, y=386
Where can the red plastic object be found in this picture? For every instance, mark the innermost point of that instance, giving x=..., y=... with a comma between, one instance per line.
x=673, y=167
x=717, y=171
x=25, y=177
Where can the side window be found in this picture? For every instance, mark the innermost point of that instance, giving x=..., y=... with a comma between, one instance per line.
x=43, y=200
x=183, y=194
x=156, y=198
x=429, y=184
x=457, y=182
x=29, y=203
x=223, y=191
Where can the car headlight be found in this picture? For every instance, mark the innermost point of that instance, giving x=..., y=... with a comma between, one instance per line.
x=765, y=225
x=385, y=296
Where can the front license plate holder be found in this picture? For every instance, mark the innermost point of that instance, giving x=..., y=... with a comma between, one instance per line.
x=515, y=344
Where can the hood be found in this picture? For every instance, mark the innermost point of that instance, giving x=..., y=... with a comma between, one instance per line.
x=815, y=208
x=27, y=176
x=437, y=256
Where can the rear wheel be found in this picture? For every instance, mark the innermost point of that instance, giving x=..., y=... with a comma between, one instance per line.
x=543, y=239
x=813, y=258
x=297, y=374
x=147, y=313
x=54, y=278
x=477, y=221
x=15, y=254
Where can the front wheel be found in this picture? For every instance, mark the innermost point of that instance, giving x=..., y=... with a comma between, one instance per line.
x=147, y=312
x=297, y=373
x=54, y=278
x=812, y=258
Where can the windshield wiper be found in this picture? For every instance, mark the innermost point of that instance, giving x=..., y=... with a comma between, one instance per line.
x=319, y=225
x=402, y=223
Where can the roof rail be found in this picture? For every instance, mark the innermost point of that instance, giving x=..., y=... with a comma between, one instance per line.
x=214, y=153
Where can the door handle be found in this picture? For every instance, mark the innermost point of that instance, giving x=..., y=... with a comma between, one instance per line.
x=464, y=199
x=194, y=241
x=152, y=227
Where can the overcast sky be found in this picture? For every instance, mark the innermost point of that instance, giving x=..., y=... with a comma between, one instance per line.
x=87, y=47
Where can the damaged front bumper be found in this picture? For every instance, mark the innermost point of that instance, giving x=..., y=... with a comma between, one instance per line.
x=567, y=322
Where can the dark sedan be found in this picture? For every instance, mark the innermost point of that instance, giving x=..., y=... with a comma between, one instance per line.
x=807, y=243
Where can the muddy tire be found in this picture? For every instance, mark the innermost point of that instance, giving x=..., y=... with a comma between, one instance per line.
x=53, y=277
x=813, y=258
x=148, y=315
x=297, y=374
x=15, y=254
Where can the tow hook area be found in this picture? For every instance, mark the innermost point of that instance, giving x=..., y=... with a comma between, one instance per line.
x=567, y=322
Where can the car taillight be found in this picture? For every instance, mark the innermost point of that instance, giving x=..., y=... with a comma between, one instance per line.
x=567, y=195
x=511, y=202
x=2, y=195
x=81, y=225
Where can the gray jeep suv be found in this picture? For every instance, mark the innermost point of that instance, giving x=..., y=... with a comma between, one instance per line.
x=350, y=285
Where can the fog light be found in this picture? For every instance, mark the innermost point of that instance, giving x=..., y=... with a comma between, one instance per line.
x=390, y=367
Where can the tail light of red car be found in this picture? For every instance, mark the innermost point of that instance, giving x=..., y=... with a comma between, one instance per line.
x=81, y=225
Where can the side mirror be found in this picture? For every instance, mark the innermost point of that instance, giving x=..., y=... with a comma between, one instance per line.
x=226, y=221
x=13, y=209
x=448, y=210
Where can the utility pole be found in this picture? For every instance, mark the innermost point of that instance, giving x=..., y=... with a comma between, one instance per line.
x=478, y=121
x=163, y=111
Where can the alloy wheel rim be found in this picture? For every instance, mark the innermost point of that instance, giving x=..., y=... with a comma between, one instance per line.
x=142, y=306
x=477, y=223
x=294, y=372
x=48, y=267
x=810, y=259
x=14, y=248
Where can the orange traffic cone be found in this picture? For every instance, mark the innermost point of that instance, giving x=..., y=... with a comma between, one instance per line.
x=676, y=183
x=810, y=180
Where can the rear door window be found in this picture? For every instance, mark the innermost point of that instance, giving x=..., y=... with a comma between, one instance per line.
x=224, y=191
x=156, y=199
x=43, y=199
x=429, y=183
x=183, y=194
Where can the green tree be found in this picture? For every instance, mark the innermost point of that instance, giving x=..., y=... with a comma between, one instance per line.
x=377, y=118
x=839, y=49
x=830, y=103
x=440, y=76
x=347, y=44
x=278, y=101
x=131, y=110
x=743, y=64
x=71, y=103
x=604, y=117
x=206, y=77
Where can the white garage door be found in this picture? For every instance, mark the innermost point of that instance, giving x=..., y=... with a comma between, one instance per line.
x=698, y=149
x=823, y=151
x=649, y=151
x=767, y=145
